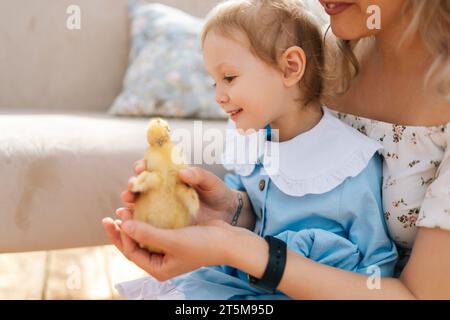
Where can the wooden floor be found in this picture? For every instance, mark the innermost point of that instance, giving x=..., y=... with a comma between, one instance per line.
x=86, y=273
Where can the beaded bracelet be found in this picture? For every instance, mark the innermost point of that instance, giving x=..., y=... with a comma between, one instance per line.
x=238, y=211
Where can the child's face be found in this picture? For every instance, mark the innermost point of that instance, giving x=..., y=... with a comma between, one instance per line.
x=249, y=90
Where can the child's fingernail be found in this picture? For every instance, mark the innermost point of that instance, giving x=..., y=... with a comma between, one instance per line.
x=119, y=212
x=140, y=165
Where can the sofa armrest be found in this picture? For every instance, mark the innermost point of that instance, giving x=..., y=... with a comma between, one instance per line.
x=62, y=174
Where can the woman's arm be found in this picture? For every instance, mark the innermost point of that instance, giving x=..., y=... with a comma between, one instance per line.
x=425, y=276
x=217, y=243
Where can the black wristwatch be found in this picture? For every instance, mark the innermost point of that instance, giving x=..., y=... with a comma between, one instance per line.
x=275, y=267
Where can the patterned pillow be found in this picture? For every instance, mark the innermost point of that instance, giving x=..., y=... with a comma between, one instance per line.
x=166, y=74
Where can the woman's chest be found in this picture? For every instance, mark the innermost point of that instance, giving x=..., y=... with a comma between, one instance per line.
x=412, y=156
x=396, y=99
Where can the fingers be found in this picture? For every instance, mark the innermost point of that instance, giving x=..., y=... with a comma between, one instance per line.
x=199, y=178
x=113, y=231
x=129, y=245
x=189, y=175
x=143, y=233
x=129, y=200
x=150, y=263
x=128, y=197
x=140, y=166
x=125, y=214
x=131, y=183
x=121, y=213
x=132, y=251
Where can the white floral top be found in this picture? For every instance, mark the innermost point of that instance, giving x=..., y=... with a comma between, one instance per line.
x=416, y=188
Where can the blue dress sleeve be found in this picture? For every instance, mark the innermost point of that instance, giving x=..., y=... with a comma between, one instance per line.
x=366, y=243
x=234, y=181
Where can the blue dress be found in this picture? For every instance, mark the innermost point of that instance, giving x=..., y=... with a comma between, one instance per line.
x=323, y=200
x=343, y=227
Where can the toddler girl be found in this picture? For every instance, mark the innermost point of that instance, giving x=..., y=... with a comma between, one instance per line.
x=313, y=177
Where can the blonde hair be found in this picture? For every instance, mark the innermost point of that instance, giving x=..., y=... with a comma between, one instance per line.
x=273, y=26
x=431, y=18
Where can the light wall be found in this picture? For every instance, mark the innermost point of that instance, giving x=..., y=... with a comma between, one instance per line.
x=45, y=66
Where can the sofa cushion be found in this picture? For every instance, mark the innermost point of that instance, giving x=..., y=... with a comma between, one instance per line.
x=55, y=168
x=166, y=75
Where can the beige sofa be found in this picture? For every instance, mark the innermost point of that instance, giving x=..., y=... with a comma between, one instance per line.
x=63, y=160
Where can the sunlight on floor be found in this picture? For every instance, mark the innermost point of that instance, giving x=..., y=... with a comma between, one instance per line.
x=76, y=274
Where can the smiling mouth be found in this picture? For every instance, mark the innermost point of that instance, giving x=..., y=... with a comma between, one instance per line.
x=334, y=8
x=235, y=112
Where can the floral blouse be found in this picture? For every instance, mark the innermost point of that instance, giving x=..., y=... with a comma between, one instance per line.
x=416, y=187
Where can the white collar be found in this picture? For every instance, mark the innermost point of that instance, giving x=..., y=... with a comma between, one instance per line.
x=313, y=162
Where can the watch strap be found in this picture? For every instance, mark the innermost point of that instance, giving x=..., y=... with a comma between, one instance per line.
x=275, y=267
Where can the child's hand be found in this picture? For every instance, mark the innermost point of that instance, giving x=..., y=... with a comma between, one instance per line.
x=217, y=200
x=186, y=249
x=129, y=197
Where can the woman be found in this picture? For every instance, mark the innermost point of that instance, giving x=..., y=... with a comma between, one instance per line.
x=398, y=87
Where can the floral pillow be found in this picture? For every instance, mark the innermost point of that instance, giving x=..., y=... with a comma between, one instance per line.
x=166, y=76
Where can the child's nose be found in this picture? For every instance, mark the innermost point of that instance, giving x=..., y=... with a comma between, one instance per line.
x=221, y=98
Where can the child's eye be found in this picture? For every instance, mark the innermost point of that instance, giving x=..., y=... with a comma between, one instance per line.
x=229, y=79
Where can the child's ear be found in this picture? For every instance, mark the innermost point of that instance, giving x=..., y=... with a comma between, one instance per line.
x=293, y=64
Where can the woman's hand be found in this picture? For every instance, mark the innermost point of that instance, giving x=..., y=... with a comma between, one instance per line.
x=213, y=241
x=186, y=249
x=217, y=200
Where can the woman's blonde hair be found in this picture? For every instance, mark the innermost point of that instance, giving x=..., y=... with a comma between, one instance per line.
x=431, y=18
x=273, y=26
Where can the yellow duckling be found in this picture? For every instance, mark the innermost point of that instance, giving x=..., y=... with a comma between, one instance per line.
x=164, y=200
